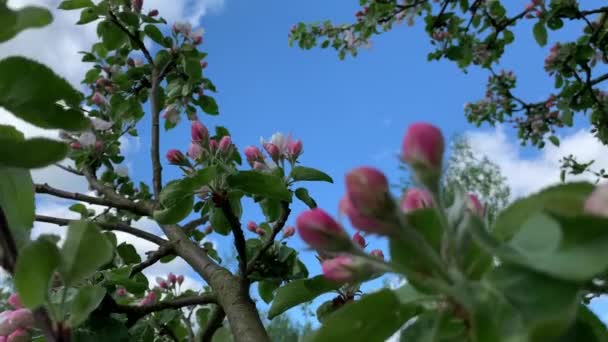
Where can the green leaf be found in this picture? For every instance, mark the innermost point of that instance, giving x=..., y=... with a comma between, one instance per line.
x=81, y=209
x=17, y=202
x=219, y=222
x=257, y=183
x=565, y=199
x=14, y=22
x=208, y=105
x=428, y=328
x=540, y=33
x=86, y=300
x=75, y=4
x=31, y=91
x=35, y=266
x=32, y=153
x=298, y=292
x=547, y=305
x=302, y=195
x=587, y=327
x=301, y=173
x=266, y=290
x=355, y=323
x=175, y=213
x=128, y=253
x=111, y=35
x=154, y=33
x=554, y=140
x=85, y=250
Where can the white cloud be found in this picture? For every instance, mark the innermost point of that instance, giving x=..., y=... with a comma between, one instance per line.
x=183, y=10
x=525, y=175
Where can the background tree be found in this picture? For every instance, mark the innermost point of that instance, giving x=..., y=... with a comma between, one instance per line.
x=477, y=33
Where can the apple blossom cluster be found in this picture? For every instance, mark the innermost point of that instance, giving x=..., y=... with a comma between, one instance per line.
x=169, y=285
x=15, y=324
x=202, y=150
x=279, y=148
x=534, y=9
x=371, y=209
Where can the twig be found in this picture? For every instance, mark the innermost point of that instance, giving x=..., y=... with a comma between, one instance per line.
x=125, y=205
x=154, y=148
x=69, y=169
x=163, y=250
x=192, y=225
x=276, y=228
x=121, y=227
x=117, y=201
x=140, y=44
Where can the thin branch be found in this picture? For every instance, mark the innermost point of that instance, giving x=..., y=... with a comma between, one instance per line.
x=237, y=232
x=214, y=322
x=154, y=148
x=164, y=250
x=118, y=201
x=140, y=44
x=192, y=225
x=49, y=190
x=69, y=169
x=121, y=227
x=136, y=312
x=276, y=228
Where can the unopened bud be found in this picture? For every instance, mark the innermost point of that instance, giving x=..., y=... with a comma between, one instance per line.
x=415, y=199
x=322, y=232
x=180, y=279
x=294, y=149
x=252, y=226
x=198, y=131
x=195, y=151
x=423, y=147
x=253, y=154
x=289, y=232
x=175, y=157
x=377, y=253
x=273, y=151
x=225, y=144
x=153, y=13
x=19, y=335
x=345, y=269
x=359, y=240
x=98, y=99
x=136, y=5
x=475, y=206
x=121, y=292
x=14, y=301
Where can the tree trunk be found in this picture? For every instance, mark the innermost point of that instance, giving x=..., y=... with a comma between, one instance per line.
x=233, y=294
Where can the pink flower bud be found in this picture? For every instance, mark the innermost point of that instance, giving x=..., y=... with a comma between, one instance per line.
x=597, y=202
x=213, y=145
x=98, y=99
x=121, y=292
x=14, y=301
x=343, y=269
x=75, y=145
x=367, y=189
x=195, y=151
x=260, y=166
x=180, y=279
x=260, y=232
x=253, y=154
x=415, y=199
x=225, y=144
x=99, y=146
x=102, y=82
x=19, y=335
x=273, y=151
x=172, y=278
x=175, y=157
x=204, y=64
x=198, y=131
x=359, y=240
x=136, y=5
x=196, y=40
x=423, y=147
x=22, y=318
x=252, y=226
x=294, y=148
x=3, y=338
x=289, y=232
x=321, y=231
x=377, y=253
x=364, y=222
x=153, y=13
x=475, y=206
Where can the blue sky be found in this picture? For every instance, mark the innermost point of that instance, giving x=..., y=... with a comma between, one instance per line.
x=347, y=113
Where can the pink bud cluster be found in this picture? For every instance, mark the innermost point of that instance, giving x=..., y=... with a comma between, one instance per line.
x=440, y=35
x=185, y=29
x=170, y=282
x=149, y=299
x=254, y=228
x=278, y=148
x=201, y=147
x=553, y=57
x=14, y=324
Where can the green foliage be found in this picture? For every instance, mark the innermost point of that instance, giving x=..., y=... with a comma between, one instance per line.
x=15, y=21
x=36, y=94
x=17, y=201
x=301, y=173
x=84, y=251
x=86, y=300
x=257, y=183
x=35, y=266
x=15, y=151
x=298, y=292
